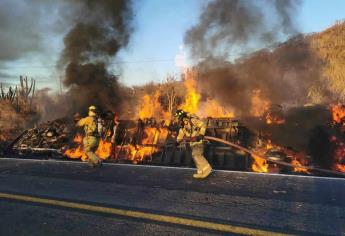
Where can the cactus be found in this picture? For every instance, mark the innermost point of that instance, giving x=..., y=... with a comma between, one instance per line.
x=9, y=96
x=20, y=96
x=26, y=89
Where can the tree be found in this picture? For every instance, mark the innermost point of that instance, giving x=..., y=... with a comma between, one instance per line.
x=169, y=89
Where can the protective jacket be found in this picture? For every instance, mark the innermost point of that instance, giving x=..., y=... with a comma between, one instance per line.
x=192, y=129
x=91, y=139
x=90, y=125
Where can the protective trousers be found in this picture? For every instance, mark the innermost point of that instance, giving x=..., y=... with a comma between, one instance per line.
x=90, y=146
x=198, y=157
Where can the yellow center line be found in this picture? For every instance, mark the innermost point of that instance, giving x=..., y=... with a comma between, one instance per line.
x=142, y=215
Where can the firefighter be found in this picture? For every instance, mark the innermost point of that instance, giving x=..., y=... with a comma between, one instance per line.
x=91, y=139
x=192, y=132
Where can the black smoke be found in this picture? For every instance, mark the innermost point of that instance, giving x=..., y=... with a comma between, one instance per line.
x=283, y=76
x=281, y=73
x=100, y=29
x=284, y=73
x=298, y=129
x=228, y=24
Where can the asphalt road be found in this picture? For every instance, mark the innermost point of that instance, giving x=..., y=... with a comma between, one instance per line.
x=70, y=198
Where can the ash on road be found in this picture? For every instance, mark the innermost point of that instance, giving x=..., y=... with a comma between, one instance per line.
x=225, y=203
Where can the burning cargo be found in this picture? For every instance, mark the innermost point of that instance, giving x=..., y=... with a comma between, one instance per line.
x=229, y=144
x=144, y=141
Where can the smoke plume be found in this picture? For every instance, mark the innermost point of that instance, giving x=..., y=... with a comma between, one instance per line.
x=225, y=25
x=284, y=74
x=296, y=132
x=287, y=74
x=100, y=29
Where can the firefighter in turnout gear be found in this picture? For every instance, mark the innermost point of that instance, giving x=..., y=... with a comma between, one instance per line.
x=91, y=139
x=192, y=132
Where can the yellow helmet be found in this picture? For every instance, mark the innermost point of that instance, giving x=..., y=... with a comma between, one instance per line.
x=92, y=108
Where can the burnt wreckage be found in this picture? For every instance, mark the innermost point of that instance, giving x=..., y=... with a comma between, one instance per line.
x=52, y=139
x=129, y=138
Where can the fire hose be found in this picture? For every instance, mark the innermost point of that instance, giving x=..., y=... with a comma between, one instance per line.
x=282, y=163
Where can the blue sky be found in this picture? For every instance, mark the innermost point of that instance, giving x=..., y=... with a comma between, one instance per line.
x=317, y=15
x=158, y=37
x=160, y=26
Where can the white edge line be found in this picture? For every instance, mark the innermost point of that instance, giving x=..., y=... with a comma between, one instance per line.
x=171, y=167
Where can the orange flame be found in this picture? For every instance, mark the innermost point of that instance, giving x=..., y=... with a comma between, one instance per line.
x=339, y=155
x=151, y=107
x=298, y=167
x=153, y=136
x=211, y=108
x=260, y=165
x=338, y=113
x=340, y=167
x=298, y=159
x=192, y=103
x=259, y=105
x=76, y=153
x=269, y=145
x=139, y=153
x=103, y=150
x=270, y=119
x=192, y=98
x=78, y=139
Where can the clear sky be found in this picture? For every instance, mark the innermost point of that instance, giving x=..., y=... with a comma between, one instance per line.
x=158, y=37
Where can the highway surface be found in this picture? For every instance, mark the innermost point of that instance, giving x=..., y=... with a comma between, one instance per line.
x=39, y=197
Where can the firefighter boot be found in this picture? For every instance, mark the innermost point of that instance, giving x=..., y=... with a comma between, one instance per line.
x=203, y=167
x=203, y=173
x=94, y=159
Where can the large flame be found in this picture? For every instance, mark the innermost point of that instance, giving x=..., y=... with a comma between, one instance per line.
x=148, y=146
x=211, y=108
x=192, y=98
x=150, y=106
x=103, y=150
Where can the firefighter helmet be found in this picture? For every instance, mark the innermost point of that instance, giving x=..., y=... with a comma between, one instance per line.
x=92, y=108
x=180, y=114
